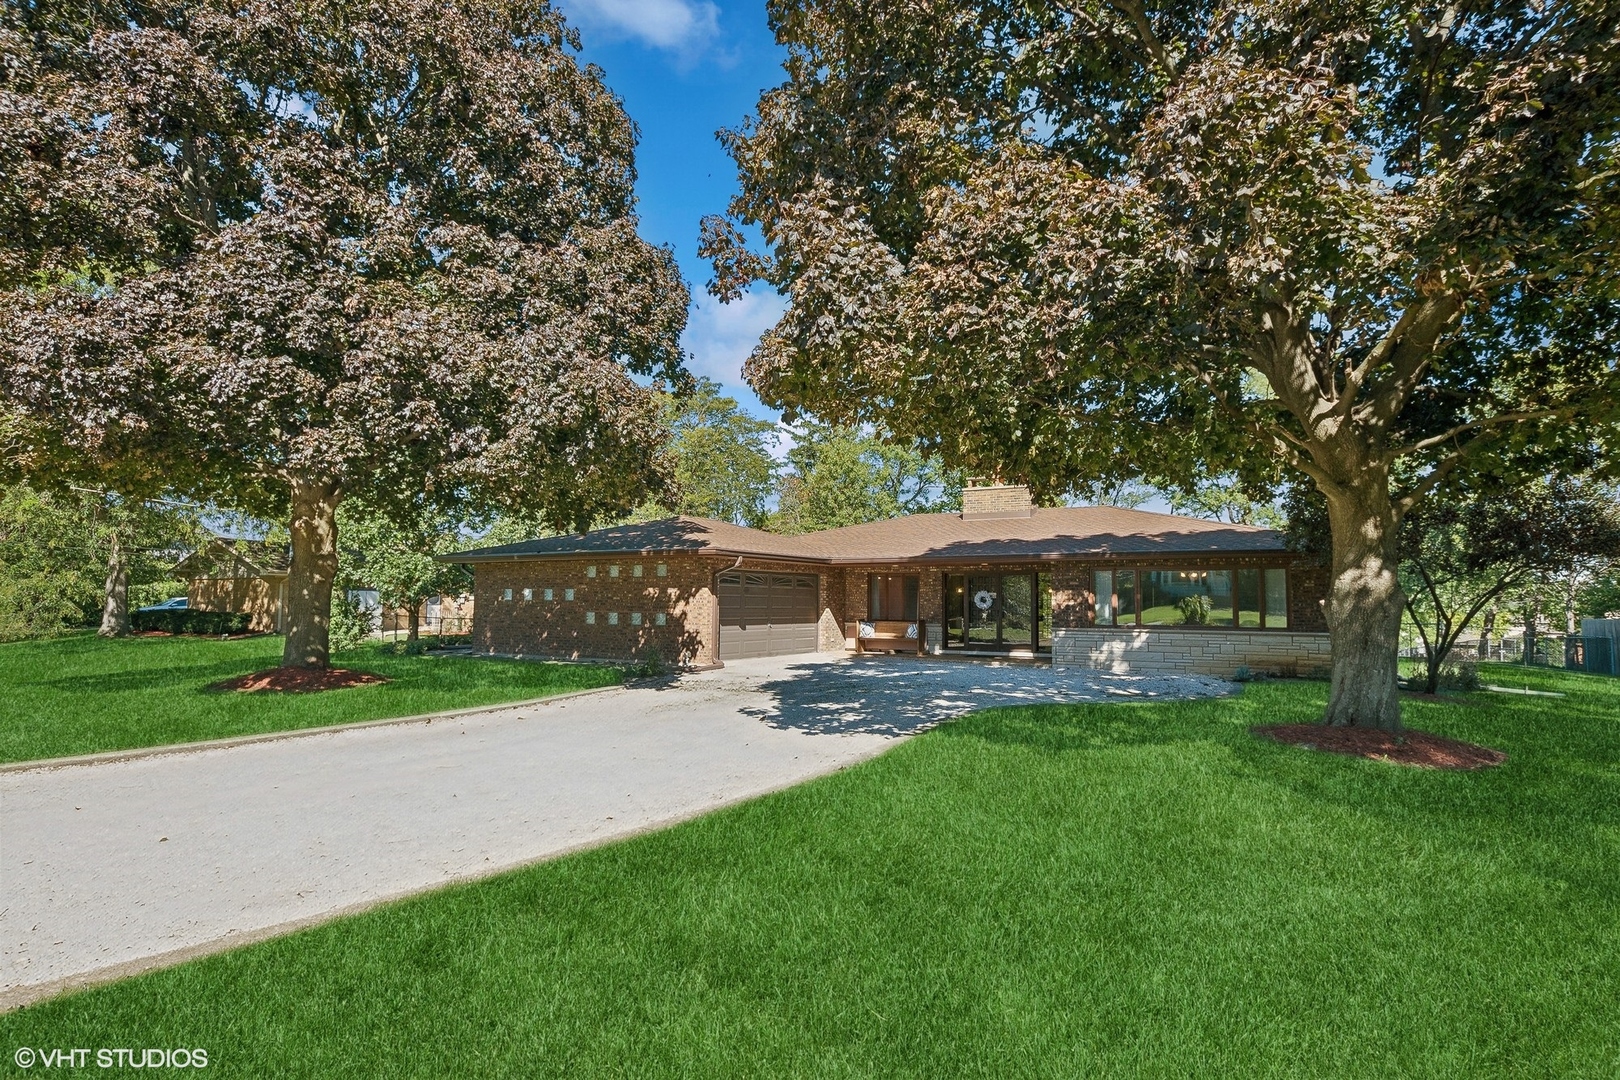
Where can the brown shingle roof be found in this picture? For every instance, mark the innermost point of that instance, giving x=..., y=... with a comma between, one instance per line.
x=1046, y=534
x=676, y=534
x=1053, y=532
x=229, y=557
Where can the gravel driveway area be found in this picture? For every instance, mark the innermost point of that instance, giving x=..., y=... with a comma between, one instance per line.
x=119, y=867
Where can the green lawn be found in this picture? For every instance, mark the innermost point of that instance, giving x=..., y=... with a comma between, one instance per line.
x=84, y=694
x=1113, y=891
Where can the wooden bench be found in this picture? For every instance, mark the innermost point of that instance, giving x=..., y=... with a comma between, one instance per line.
x=889, y=635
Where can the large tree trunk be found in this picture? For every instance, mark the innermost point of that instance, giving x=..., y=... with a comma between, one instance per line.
x=115, y=608
x=414, y=623
x=1364, y=608
x=1485, y=631
x=309, y=579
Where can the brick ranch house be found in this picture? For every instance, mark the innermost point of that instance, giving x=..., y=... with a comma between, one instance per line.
x=1095, y=587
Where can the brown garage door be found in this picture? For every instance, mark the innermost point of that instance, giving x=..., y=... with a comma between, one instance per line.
x=767, y=614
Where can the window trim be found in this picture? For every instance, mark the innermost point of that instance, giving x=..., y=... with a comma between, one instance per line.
x=1138, y=569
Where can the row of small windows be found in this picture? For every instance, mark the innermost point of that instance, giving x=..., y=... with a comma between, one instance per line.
x=545, y=594
x=658, y=619
x=636, y=570
x=661, y=570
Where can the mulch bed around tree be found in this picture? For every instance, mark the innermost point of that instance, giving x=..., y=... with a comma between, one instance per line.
x=1417, y=748
x=298, y=680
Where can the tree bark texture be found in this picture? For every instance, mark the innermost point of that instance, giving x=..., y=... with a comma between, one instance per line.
x=414, y=624
x=115, y=608
x=1364, y=608
x=310, y=577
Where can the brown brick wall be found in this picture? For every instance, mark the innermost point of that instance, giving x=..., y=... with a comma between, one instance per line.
x=558, y=627
x=685, y=596
x=1308, y=582
x=1071, y=595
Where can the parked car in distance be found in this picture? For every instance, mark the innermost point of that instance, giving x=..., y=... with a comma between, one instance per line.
x=175, y=603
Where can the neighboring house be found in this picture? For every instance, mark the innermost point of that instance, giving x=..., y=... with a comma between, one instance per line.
x=1096, y=587
x=239, y=575
x=439, y=615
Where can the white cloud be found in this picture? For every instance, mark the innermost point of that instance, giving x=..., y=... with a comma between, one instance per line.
x=719, y=336
x=680, y=26
x=718, y=340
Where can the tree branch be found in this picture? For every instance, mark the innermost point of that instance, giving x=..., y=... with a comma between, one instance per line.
x=1134, y=11
x=1410, y=347
x=1484, y=422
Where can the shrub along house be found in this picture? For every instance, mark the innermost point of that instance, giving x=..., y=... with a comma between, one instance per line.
x=1098, y=587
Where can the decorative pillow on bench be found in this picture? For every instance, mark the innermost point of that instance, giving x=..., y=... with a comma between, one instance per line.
x=866, y=630
x=911, y=631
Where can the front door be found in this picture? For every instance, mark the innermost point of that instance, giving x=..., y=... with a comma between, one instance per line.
x=983, y=609
x=997, y=611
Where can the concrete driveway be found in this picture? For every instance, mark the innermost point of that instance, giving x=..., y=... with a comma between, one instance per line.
x=119, y=867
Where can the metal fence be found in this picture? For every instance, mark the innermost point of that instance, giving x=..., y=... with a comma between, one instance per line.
x=1574, y=652
x=437, y=627
x=1600, y=642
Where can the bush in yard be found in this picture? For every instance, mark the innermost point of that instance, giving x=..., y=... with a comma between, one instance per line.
x=1460, y=675
x=351, y=623
x=188, y=621
x=36, y=605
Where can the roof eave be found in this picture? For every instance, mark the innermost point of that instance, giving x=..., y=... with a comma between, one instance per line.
x=727, y=553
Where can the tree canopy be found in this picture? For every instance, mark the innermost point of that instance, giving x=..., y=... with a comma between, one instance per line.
x=398, y=560
x=336, y=249
x=843, y=476
x=1077, y=243
x=722, y=458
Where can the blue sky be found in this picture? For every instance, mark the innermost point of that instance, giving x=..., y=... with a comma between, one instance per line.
x=685, y=69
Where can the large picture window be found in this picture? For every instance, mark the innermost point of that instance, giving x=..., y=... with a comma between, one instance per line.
x=892, y=597
x=1243, y=597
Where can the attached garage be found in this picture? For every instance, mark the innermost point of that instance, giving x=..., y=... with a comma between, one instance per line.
x=767, y=614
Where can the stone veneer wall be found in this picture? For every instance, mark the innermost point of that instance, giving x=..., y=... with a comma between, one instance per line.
x=1204, y=652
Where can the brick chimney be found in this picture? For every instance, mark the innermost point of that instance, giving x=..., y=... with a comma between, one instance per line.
x=983, y=498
